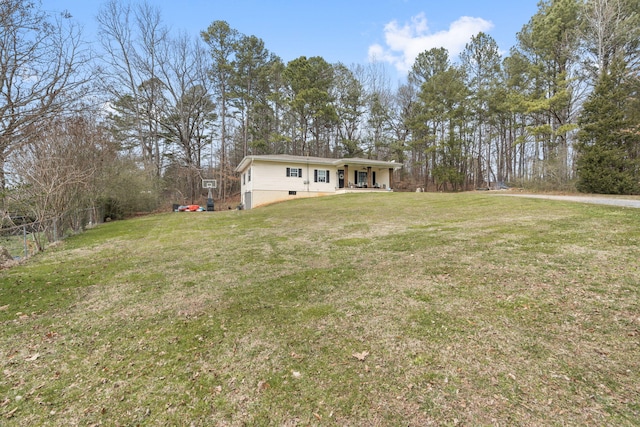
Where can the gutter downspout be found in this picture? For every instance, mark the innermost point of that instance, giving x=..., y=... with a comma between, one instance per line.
x=250, y=174
x=308, y=178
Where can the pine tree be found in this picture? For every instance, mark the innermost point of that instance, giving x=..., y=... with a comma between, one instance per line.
x=607, y=163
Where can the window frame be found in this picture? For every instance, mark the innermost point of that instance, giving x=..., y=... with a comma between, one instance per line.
x=325, y=179
x=291, y=174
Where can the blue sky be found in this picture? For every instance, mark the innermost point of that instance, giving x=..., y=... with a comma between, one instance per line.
x=348, y=31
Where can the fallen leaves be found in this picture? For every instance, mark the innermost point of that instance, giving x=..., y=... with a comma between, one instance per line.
x=361, y=356
x=10, y=413
x=32, y=358
x=296, y=356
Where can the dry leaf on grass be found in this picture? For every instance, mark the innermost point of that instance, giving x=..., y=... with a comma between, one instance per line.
x=10, y=413
x=361, y=356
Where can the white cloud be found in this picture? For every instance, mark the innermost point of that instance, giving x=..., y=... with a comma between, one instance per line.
x=404, y=43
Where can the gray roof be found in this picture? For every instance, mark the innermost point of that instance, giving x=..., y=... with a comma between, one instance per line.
x=315, y=160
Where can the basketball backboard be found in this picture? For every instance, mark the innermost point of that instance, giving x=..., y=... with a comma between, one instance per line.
x=209, y=183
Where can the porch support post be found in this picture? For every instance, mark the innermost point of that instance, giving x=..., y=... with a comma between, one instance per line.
x=346, y=176
x=369, y=178
x=390, y=177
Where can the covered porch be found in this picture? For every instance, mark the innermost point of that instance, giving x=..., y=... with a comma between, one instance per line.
x=360, y=174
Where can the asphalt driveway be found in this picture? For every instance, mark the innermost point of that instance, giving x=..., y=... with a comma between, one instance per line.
x=628, y=203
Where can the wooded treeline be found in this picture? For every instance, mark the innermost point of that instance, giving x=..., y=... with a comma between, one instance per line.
x=145, y=114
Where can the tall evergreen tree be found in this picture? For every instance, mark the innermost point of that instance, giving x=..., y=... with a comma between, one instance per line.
x=310, y=81
x=448, y=89
x=223, y=46
x=349, y=102
x=252, y=63
x=481, y=62
x=550, y=42
x=608, y=161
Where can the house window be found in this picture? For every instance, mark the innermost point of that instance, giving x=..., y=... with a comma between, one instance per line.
x=361, y=178
x=320, y=175
x=294, y=172
x=249, y=175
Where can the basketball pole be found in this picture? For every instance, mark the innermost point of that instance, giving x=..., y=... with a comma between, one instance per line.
x=210, y=200
x=209, y=184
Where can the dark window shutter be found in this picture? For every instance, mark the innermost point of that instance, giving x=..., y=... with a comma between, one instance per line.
x=315, y=175
x=299, y=173
x=327, y=177
x=355, y=176
x=288, y=172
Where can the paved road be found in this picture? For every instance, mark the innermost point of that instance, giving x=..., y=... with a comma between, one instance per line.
x=629, y=203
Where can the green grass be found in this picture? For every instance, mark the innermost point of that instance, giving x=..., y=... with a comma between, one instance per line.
x=379, y=309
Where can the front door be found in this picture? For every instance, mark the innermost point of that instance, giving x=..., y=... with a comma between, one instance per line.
x=340, y=178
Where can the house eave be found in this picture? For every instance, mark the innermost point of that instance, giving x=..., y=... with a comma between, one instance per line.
x=366, y=162
x=284, y=158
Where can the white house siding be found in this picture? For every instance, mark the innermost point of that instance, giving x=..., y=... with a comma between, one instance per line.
x=269, y=183
x=382, y=176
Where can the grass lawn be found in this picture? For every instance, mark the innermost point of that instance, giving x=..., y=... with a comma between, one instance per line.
x=361, y=309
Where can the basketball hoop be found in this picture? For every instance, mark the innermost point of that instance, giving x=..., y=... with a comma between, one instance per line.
x=209, y=183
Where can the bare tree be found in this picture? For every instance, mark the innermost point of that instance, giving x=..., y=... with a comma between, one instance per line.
x=189, y=108
x=132, y=39
x=57, y=170
x=379, y=105
x=610, y=29
x=41, y=59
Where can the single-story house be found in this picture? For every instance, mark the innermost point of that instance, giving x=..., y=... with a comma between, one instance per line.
x=274, y=178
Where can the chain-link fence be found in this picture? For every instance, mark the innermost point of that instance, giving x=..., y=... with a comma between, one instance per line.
x=22, y=237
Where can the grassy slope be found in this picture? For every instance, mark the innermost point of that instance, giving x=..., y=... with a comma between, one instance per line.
x=467, y=308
